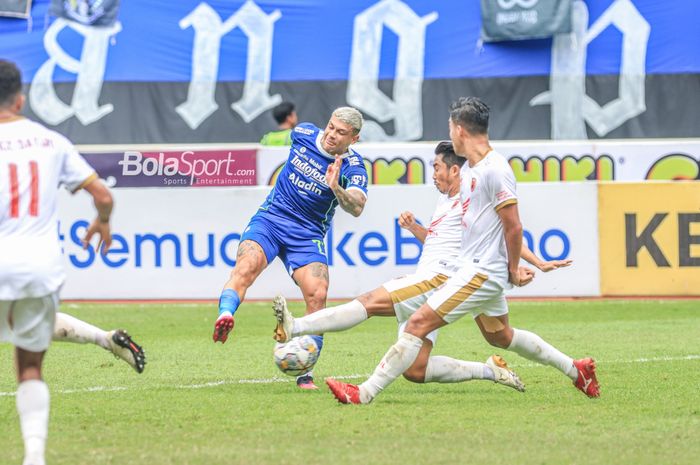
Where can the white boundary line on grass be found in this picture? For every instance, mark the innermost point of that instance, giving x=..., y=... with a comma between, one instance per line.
x=289, y=380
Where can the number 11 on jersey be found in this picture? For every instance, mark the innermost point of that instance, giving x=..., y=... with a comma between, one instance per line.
x=33, y=189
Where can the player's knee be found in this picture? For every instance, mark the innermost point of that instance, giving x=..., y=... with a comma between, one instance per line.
x=418, y=325
x=500, y=340
x=415, y=375
x=316, y=298
x=245, y=273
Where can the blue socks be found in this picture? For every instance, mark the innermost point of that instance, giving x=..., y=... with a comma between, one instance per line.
x=229, y=301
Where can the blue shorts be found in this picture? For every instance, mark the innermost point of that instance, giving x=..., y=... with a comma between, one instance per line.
x=294, y=245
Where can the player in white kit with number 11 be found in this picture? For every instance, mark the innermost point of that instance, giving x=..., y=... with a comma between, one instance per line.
x=34, y=162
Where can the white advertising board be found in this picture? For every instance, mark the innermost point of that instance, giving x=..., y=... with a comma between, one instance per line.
x=181, y=243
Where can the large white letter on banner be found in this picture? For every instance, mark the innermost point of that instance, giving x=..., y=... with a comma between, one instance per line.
x=363, y=86
x=90, y=70
x=208, y=31
x=571, y=106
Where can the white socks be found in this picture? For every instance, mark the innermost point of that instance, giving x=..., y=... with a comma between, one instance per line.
x=72, y=329
x=397, y=360
x=443, y=369
x=33, y=409
x=331, y=319
x=533, y=347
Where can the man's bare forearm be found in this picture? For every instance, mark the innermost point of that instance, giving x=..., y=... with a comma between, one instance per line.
x=419, y=231
x=351, y=202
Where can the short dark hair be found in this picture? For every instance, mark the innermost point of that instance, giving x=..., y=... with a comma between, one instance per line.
x=10, y=82
x=282, y=111
x=470, y=113
x=449, y=157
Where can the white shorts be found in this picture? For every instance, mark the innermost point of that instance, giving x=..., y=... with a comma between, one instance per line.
x=29, y=323
x=468, y=291
x=409, y=292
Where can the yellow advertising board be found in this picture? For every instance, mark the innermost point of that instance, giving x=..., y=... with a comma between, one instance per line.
x=649, y=238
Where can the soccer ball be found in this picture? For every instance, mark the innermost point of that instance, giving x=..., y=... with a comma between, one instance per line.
x=297, y=356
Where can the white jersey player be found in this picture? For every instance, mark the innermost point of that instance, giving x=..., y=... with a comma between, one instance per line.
x=401, y=297
x=34, y=162
x=488, y=263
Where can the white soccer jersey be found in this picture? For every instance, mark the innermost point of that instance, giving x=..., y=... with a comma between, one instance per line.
x=34, y=162
x=442, y=243
x=486, y=187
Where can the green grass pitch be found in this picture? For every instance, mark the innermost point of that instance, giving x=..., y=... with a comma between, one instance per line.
x=201, y=403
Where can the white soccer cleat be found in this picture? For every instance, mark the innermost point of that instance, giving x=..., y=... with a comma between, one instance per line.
x=503, y=374
x=123, y=347
x=285, y=320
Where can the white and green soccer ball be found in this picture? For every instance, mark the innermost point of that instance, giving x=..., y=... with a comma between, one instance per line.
x=296, y=357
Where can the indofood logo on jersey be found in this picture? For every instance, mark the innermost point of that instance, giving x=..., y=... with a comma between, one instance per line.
x=311, y=169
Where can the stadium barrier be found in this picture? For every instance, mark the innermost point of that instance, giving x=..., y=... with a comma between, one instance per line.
x=217, y=165
x=180, y=243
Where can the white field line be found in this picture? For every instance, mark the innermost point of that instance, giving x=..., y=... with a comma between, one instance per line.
x=290, y=379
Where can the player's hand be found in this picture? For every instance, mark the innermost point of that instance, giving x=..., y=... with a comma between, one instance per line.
x=102, y=229
x=554, y=264
x=407, y=220
x=522, y=277
x=333, y=173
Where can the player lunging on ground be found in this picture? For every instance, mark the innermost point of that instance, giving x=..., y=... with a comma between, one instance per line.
x=322, y=172
x=403, y=296
x=489, y=263
x=34, y=162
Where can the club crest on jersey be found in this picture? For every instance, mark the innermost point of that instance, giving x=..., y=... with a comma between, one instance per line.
x=473, y=184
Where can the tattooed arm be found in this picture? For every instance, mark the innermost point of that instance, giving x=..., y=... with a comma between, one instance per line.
x=352, y=201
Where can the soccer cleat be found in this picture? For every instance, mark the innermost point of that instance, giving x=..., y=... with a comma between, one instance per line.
x=503, y=374
x=223, y=326
x=587, y=381
x=344, y=392
x=306, y=382
x=285, y=320
x=122, y=346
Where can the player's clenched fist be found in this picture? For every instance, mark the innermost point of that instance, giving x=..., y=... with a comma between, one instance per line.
x=523, y=276
x=407, y=220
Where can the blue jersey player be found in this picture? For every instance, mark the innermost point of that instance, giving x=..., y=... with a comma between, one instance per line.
x=321, y=173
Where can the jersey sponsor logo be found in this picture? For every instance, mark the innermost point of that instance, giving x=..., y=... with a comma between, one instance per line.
x=473, y=184
x=358, y=180
x=308, y=168
x=302, y=130
x=307, y=186
x=354, y=161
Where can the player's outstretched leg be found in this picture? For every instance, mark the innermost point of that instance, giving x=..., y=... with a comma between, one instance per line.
x=504, y=375
x=533, y=347
x=122, y=346
x=587, y=381
x=285, y=320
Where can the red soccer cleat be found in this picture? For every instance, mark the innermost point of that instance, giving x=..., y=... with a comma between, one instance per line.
x=586, y=381
x=344, y=392
x=223, y=326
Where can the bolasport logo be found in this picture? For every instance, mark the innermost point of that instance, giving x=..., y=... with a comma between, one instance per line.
x=191, y=168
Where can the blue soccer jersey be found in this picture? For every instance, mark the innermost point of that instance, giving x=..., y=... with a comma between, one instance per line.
x=300, y=193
